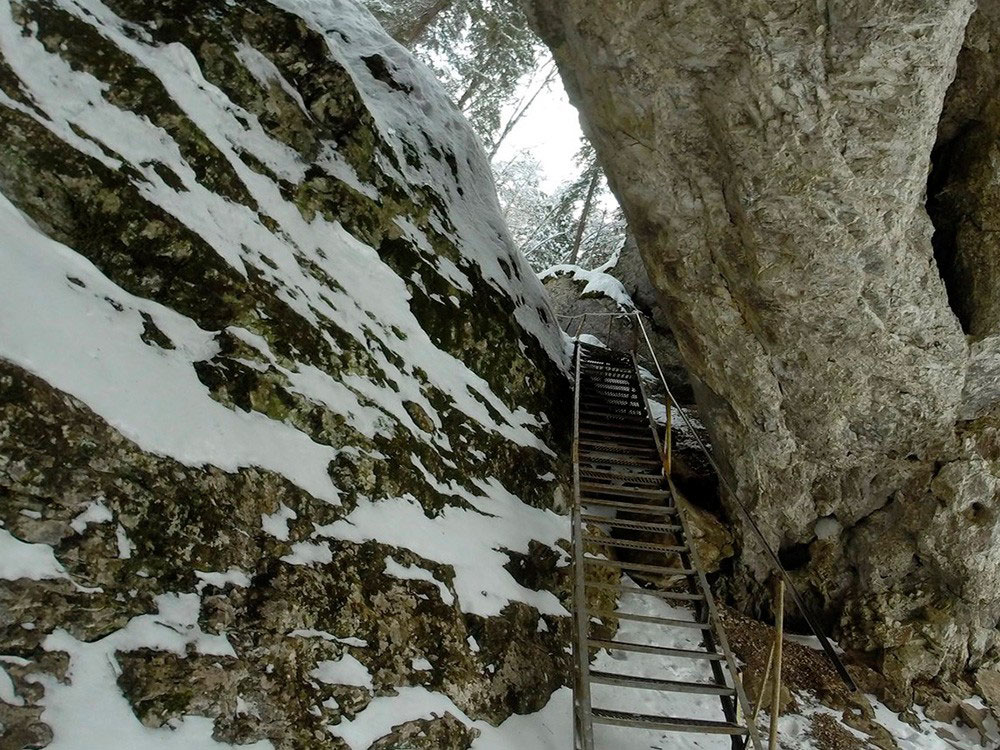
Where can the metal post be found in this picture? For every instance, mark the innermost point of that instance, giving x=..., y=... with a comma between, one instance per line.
x=582, y=693
x=763, y=684
x=776, y=694
x=668, y=438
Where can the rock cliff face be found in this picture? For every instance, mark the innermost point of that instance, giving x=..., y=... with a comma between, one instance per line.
x=773, y=162
x=278, y=398
x=963, y=189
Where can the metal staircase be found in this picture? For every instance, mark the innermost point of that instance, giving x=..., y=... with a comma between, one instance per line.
x=625, y=522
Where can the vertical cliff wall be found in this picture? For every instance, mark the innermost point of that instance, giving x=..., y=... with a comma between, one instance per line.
x=279, y=401
x=773, y=159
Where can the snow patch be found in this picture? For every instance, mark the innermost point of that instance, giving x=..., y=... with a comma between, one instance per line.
x=596, y=284
x=95, y=512
x=468, y=540
x=344, y=671
x=125, y=546
x=25, y=560
x=414, y=573
x=91, y=690
x=276, y=524
x=309, y=553
x=233, y=576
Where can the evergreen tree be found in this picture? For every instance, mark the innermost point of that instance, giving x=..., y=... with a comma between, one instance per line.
x=578, y=223
x=480, y=49
x=485, y=53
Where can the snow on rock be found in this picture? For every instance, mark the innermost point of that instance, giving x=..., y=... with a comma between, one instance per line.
x=23, y=560
x=276, y=388
x=595, y=283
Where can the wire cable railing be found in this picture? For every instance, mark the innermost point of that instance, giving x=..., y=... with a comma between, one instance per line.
x=638, y=328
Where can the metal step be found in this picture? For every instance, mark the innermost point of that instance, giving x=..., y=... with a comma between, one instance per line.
x=620, y=406
x=604, y=415
x=612, y=409
x=641, y=436
x=642, y=648
x=637, y=480
x=641, y=508
x=615, y=489
x=592, y=456
x=603, y=385
x=588, y=463
x=666, y=723
x=662, y=621
x=615, y=447
x=665, y=686
x=677, y=596
x=640, y=476
x=611, y=389
x=639, y=567
x=631, y=544
x=604, y=421
x=630, y=434
x=633, y=398
x=621, y=523
x=604, y=408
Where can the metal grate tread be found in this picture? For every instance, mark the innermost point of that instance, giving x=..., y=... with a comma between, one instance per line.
x=592, y=456
x=681, y=596
x=639, y=508
x=614, y=447
x=639, y=477
x=667, y=686
x=632, y=544
x=621, y=523
x=640, y=567
x=666, y=723
x=621, y=491
x=619, y=422
x=662, y=621
x=644, y=648
x=643, y=437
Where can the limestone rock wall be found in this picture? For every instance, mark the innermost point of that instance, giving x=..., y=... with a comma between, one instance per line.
x=772, y=160
x=280, y=405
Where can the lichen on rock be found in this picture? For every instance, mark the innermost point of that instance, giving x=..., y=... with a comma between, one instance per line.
x=265, y=344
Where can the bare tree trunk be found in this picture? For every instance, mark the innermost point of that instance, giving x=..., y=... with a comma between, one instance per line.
x=469, y=91
x=516, y=117
x=587, y=202
x=412, y=33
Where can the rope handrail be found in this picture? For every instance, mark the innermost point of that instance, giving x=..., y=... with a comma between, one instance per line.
x=799, y=603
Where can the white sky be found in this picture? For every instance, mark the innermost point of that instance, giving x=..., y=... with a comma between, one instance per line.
x=550, y=130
